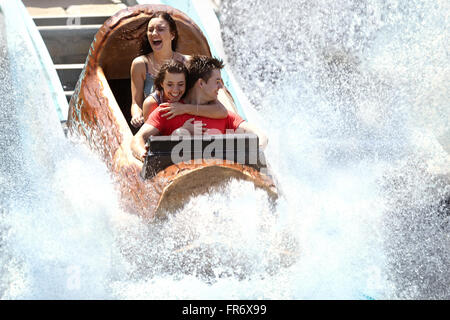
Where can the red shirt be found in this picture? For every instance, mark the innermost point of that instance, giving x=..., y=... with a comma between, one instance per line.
x=167, y=126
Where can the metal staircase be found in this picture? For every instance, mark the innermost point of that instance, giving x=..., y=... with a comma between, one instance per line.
x=68, y=44
x=68, y=29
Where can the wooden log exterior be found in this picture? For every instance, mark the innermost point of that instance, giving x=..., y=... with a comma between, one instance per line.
x=95, y=115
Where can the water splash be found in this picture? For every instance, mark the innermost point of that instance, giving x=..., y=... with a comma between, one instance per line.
x=354, y=107
x=337, y=88
x=51, y=205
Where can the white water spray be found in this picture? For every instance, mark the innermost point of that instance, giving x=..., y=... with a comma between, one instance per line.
x=360, y=215
x=354, y=98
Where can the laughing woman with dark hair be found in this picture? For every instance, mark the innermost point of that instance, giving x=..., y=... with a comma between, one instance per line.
x=159, y=47
x=170, y=85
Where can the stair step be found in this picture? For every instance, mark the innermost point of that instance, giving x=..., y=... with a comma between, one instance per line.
x=68, y=95
x=69, y=28
x=69, y=74
x=69, y=20
x=68, y=44
x=69, y=66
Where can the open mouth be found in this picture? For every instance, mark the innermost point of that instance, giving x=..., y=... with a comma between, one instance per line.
x=156, y=42
x=174, y=97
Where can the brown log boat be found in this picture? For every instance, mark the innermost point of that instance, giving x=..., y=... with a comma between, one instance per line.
x=99, y=112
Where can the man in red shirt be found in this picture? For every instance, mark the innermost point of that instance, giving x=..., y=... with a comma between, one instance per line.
x=204, y=82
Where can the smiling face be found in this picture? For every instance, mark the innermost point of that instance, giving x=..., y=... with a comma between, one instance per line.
x=159, y=34
x=174, y=86
x=210, y=88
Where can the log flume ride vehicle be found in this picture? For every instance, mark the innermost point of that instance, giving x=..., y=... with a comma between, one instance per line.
x=99, y=111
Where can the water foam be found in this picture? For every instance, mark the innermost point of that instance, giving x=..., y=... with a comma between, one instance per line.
x=353, y=105
x=360, y=214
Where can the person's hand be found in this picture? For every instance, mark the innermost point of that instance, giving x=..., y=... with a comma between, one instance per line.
x=194, y=127
x=171, y=109
x=137, y=121
x=141, y=155
x=145, y=152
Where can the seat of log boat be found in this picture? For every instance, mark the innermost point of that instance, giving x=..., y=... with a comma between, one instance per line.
x=99, y=111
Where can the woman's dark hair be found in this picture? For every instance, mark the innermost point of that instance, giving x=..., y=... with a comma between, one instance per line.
x=171, y=67
x=145, y=45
